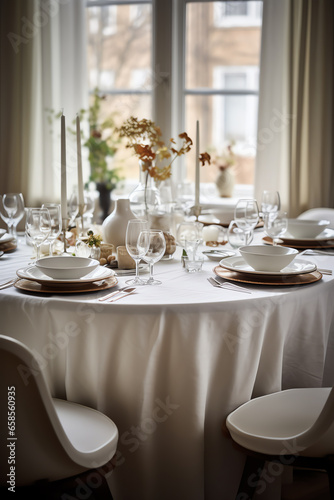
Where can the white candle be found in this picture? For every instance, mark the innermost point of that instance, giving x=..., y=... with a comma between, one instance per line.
x=63, y=170
x=210, y=233
x=80, y=182
x=197, y=167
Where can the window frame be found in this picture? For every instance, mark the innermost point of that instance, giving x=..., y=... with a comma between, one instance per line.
x=169, y=91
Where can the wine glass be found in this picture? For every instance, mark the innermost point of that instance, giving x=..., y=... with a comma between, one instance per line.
x=238, y=237
x=246, y=214
x=12, y=211
x=56, y=223
x=276, y=225
x=38, y=227
x=271, y=203
x=136, y=249
x=156, y=250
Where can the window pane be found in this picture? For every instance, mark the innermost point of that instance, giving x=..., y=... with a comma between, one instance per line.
x=119, y=45
x=119, y=58
x=223, y=57
x=222, y=120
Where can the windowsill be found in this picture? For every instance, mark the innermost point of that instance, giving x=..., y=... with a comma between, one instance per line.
x=209, y=197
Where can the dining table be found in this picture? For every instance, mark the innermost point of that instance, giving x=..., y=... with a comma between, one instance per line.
x=168, y=363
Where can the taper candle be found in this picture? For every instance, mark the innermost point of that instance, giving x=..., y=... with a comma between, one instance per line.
x=80, y=181
x=63, y=169
x=197, y=179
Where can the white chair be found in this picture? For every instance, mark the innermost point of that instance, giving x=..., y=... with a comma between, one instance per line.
x=318, y=214
x=51, y=439
x=292, y=427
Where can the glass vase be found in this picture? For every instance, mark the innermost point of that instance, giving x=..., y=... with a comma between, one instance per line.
x=145, y=198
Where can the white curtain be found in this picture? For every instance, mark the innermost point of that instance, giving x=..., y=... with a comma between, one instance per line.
x=43, y=67
x=296, y=112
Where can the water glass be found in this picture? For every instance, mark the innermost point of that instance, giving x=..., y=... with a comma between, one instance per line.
x=38, y=226
x=193, y=265
x=155, y=252
x=271, y=203
x=12, y=211
x=238, y=237
x=136, y=249
x=56, y=223
x=275, y=225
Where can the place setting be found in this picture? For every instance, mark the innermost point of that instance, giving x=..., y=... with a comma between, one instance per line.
x=274, y=263
x=65, y=274
x=304, y=234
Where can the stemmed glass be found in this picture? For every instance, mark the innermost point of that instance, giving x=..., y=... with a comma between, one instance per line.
x=38, y=227
x=56, y=223
x=156, y=250
x=246, y=215
x=136, y=249
x=238, y=237
x=12, y=211
x=276, y=225
x=270, y=204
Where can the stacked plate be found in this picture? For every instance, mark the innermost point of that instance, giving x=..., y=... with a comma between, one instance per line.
x=34, y=279
x=7, y=242
x=298, y=272
x=325, y=239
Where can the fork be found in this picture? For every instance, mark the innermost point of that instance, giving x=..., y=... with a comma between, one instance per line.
x=310, y=251
x=228, y=286
x=8, y=283
x=106, y=297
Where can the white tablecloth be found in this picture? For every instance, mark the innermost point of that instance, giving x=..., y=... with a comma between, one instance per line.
x=169, y=362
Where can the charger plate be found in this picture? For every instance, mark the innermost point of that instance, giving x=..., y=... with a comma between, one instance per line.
x=302, y=244
x=10, y=246
x=33, y=273
x=254, y=279
x=95, y=286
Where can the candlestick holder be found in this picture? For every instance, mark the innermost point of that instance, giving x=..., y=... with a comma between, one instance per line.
x=196, y=210
x=65, y=223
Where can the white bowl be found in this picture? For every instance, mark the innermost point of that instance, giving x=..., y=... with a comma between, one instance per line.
x=267, y=258
x=303, y=228
x=67, y=267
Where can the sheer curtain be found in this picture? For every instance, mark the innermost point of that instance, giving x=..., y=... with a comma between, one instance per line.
x=43, y=67
x=296, y=110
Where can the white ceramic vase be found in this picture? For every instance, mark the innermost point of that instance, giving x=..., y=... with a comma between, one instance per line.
x=114, y=226
x=225, y=183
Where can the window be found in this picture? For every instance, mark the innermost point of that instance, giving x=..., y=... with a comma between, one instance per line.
x=233, y=14
x=205, y=67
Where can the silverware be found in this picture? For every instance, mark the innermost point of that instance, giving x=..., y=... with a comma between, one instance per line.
x=310, y=251
x=228, y=286
x=325, y=271
x=8, y=283
x=123, y=294
x=120, y=290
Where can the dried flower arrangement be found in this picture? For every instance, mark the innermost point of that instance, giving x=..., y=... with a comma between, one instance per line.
x=145, y=137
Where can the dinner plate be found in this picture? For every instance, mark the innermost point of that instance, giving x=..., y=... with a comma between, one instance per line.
x=218, y=254
x=32, y=273
x=302, y=244
x=96, y=286
x=265, y=279
x=297, y=266
x=327, y=234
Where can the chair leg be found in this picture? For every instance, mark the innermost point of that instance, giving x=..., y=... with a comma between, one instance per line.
x=250, y=477
x=330, y=473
